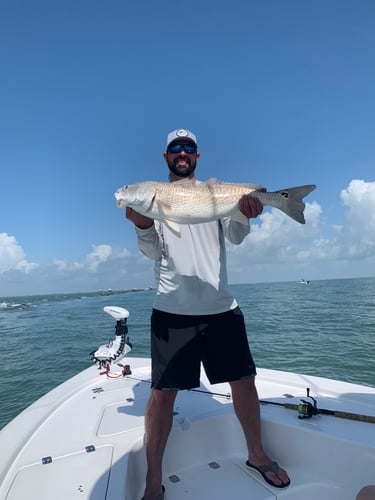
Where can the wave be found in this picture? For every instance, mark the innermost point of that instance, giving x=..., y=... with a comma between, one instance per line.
x=22, y=302
x=14, y=305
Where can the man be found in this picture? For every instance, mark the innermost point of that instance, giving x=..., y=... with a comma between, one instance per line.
x=195, y=318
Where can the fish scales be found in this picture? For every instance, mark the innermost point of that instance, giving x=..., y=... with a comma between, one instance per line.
x=185, y=202
x=197, y=201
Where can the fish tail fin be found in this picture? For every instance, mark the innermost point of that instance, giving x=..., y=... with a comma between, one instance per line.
x=290, y=201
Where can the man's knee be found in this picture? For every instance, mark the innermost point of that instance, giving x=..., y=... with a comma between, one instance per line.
x=163, y=398
x=367, y=493
x=245, y=384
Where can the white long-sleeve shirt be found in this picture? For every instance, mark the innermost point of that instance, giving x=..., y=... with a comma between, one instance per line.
x=190, y=268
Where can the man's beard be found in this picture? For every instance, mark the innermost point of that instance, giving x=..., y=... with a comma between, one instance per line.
x=182, y=171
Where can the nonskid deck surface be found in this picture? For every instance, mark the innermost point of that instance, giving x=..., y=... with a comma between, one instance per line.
x=230, y=479
x=91, y=429
x=221, y=479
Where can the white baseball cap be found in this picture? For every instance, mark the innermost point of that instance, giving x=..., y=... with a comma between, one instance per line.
x=181, y=133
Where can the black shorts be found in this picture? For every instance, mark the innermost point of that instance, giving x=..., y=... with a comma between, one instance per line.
x=179, y=343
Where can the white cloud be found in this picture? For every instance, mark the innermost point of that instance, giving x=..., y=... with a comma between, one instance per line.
x=100, y=253
x=280, y=248
x=357, y=234
x=102, y=268
x=276, y=249
x=276, y=238
x=64, y=265
x=12, y=256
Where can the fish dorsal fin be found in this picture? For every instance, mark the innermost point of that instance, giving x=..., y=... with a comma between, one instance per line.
x=250, y=185
x=212, y=180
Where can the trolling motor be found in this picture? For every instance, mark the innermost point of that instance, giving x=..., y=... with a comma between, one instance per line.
x=306, y=409
x=120, y=345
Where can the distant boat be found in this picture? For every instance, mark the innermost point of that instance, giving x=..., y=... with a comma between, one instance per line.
x=303, y=282
x=106, y=292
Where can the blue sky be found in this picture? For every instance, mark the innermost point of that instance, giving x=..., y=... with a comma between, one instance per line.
x=280, y=93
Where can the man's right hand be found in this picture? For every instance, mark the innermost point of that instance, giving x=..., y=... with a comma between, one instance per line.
x=138, y=220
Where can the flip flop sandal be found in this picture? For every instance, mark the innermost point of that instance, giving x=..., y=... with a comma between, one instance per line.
x=262, y=469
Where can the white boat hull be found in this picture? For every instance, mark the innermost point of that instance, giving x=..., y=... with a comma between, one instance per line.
x=85, y=439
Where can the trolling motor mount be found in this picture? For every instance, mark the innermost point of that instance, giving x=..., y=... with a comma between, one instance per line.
x=120, y=345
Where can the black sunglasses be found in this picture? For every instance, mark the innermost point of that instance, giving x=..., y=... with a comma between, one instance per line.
x=177, y=148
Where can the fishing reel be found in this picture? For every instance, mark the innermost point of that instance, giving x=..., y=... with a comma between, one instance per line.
x=306, y=409
x=120, y=346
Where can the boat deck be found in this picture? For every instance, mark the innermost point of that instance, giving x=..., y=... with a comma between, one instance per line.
x=85, y=439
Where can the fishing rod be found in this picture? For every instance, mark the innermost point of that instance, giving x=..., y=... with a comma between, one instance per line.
x=305, y=409
x=106, y=354
x=226, y=396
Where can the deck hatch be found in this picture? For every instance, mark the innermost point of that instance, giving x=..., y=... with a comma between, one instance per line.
x=65, y=476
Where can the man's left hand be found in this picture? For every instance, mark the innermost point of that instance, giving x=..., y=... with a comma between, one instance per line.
x=250, y=205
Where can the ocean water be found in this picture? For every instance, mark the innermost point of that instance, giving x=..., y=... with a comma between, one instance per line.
x=324, y=328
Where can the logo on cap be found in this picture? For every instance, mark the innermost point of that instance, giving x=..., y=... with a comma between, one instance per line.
x=182, y=133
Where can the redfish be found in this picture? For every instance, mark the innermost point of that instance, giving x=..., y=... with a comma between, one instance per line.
x=185, y=202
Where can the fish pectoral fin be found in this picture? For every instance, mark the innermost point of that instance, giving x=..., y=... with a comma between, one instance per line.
x=240, y=217
x=163, y=205
x=173, y=226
